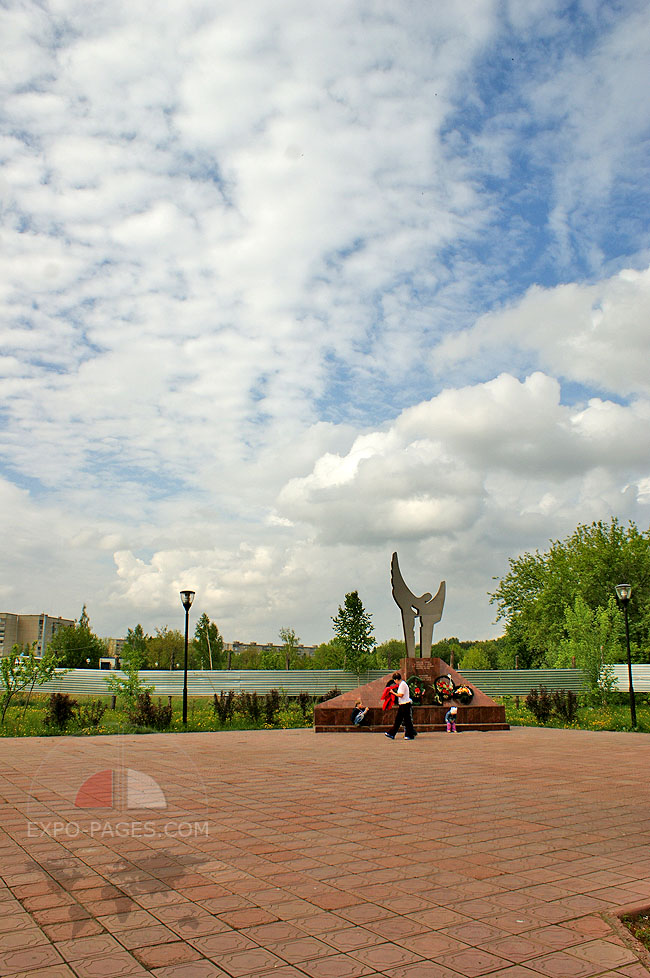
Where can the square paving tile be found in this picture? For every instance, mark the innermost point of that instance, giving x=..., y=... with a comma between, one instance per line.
x=28, y=959
x=562, y=964
x=189, y=969
x=109, y=966
x=83, y=947
x=474, y=962
x=337, y=966
x=383, y=956
x=52, y=971
x=240, y=963
x=308, y=869
x=157, y=955
x=351, y=938
x=422, y=969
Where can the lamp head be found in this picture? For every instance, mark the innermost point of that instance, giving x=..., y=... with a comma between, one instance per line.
x=187, y=597
x=623, y=592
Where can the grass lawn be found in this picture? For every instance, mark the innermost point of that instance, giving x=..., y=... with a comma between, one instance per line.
x=611, y=717
x=27, y=719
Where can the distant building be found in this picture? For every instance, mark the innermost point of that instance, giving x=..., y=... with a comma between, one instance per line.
x=108, y=662
x=114, y=647
x=112, y=659
x=266, y=647
x=29, y=629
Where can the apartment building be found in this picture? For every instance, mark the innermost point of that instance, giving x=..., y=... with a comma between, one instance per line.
x=29, y=629
x=266, y=647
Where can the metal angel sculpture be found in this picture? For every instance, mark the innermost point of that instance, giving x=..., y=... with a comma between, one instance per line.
x=428, y=609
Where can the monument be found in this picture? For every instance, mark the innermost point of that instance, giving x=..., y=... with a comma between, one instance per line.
x=426, y=608
x=434, y=684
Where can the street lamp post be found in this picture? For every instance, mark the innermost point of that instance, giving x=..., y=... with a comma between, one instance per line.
x=187, y=597
x=623, y=593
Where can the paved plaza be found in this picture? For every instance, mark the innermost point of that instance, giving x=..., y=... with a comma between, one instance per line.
x=303, y=855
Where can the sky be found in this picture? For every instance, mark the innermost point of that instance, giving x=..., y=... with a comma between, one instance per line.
x=288, y=286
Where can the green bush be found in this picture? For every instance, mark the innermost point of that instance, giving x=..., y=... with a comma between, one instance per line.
x=565, y=704
x=249, y=705
x=60, y=710
x=143, y=712
x=90, y=714
x=271, y=706
x=304, y=703
x=224, y=705
x=540, y=704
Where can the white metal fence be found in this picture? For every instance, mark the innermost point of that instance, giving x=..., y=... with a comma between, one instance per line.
x=640, y=677
x=316, y=682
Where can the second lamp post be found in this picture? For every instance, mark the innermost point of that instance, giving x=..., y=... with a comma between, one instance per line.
x=187, y=597
x=623, y=592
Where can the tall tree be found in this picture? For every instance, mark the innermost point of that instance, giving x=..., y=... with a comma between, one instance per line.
x=328, y=655
x=134, y=650
x=388, y=654
x=533, y=597
x=136, y=639
x=290, y=642
x=166, y=649
x=593, y=639
x=353, y=627
x=208, y=643
x=77, y=646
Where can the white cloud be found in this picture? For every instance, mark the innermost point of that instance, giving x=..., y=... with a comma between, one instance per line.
x=429, y=473
x=259, y=323
x=596, y=335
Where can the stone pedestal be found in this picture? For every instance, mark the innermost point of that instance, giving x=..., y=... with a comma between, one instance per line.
x=482, y=713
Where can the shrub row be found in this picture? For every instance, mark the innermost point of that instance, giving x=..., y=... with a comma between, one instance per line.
x=561, y=702
x=258, y=707
x=61, y=710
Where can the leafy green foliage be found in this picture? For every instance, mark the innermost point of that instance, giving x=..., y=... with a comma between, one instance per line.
x=474, y=658
x=290, y=643
x=60, y=711
x=208, y=644
x=353, y=628
x=135, y=643
x=129, y=685
x=305, y=703
x=167, y=648
x=23, y=670
x=28, y=720
x=224, y=705
x=250, y=705
x=388, y=654
x=639, y=926
x=533, y=596
x=565, y=704
x=272, y=704
x=540, y=704
x=90, y=714
x=77, y=646
x=610, y=716
x=143, y=712
x=329, y=655
x=592, y=639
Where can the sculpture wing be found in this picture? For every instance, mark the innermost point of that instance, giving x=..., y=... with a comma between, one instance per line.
x=436, y=604
x=402, y=594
